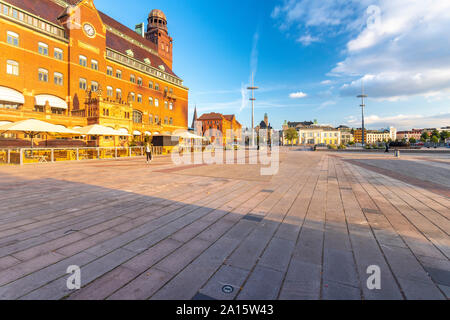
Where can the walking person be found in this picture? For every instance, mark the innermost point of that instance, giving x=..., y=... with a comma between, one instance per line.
x=148, y=151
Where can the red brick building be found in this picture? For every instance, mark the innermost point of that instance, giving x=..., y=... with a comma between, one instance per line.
x=216, y=125
x=67, y=63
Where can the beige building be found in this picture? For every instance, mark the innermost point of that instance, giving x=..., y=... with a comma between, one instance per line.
x=313, y=134
x=374, y=136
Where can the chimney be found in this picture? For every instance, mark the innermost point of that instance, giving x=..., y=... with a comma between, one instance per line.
x=140, y=29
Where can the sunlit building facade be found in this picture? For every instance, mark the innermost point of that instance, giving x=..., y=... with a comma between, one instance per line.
x=67, y=63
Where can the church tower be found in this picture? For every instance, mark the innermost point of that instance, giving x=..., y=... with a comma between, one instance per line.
x=157, y=32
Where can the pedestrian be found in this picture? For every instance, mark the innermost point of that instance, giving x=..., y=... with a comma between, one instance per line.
x=148, y=151
x=387, y=148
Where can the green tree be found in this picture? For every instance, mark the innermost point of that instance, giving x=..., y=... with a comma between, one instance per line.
x=291, y=134
x=424, y=137
x=412, y=140
x=434, y=139
x=445, y=135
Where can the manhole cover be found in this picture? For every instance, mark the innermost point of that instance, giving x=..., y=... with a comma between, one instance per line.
x=227, y=289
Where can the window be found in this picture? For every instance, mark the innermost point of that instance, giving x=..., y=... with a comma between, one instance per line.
x=58, y=54
x=132, y=78
x=43, y=48
x=58, y=78
x=13, y=38
x=43, y=75
x=166, y=90
x=118, y=74
x=109, y=91
x=171, y=90
x=157, y=86
x=94, y=86
x=166, y=105
x=139, y=81
x=139, y=99
x=166, y=121
x=156, y=120
x=150, y=101
x=83, y=61
x=150, y=84
x=150, y=119
x=137, y=116
x=171, y=121
x=83, y=84
x=118, y=94
x=12, y=67
x=171, y=106
x=109, y=71
x=156, y=103
x=132, y=96
x=94, y=64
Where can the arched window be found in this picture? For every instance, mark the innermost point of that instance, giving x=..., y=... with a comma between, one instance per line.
x=137, y=116
x=12, y=38
x=118, y=94
x=83, y=61
x=43, y=75
x=12, y=67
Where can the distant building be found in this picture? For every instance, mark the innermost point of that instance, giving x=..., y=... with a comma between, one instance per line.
x=374, y=136
x=312, y=134
x=414, y=133
x=346, y=134
x=215, y=127
x=265, y=125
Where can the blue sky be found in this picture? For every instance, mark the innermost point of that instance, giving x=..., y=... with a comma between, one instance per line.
x=309, y=57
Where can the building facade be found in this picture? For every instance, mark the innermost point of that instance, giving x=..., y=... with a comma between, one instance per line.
x=375, y=136
x=346, y=134
x=313, y=134
x=69, y=64
x=216, y=126
x=414, y=133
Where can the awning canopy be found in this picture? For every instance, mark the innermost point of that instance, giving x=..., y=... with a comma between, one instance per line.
x=137, y=133
x=53, y=101
x=2, y=123
x=35, y=126
x=11, y=95
x=98, y=130
x=123, y=131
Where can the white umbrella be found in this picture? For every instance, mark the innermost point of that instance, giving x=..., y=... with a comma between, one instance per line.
x=33, y=127
x=98, y=130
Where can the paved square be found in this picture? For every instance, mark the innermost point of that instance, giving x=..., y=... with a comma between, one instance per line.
x=225, y=232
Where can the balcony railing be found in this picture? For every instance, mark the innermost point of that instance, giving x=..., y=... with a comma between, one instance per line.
x=20, y=156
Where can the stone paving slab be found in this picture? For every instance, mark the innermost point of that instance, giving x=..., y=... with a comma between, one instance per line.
x=163, y=231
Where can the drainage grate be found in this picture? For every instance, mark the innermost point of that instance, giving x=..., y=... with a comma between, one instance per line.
x=202, y=297
x=252, y=217
x=373, y=211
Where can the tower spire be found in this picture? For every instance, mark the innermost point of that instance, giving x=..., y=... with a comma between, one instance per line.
x=194, y=120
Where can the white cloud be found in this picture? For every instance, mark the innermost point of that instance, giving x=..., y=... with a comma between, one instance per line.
x=400, y=48
x=326, y=82
x=403, y=122
x=306, y=40
x=406, y=54
x=298, y=95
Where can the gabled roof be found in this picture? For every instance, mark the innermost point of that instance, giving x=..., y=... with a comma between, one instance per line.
x=211, y=116
x=51, y=10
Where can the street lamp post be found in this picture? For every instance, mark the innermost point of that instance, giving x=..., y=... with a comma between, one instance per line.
x=252, y=99
x=363, y=105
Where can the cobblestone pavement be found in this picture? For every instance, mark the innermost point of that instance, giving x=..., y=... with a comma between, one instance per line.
x=225, y=232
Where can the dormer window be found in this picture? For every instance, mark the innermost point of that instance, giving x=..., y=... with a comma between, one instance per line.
x=162, y=68
x=147, y=61
x=130, y=53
